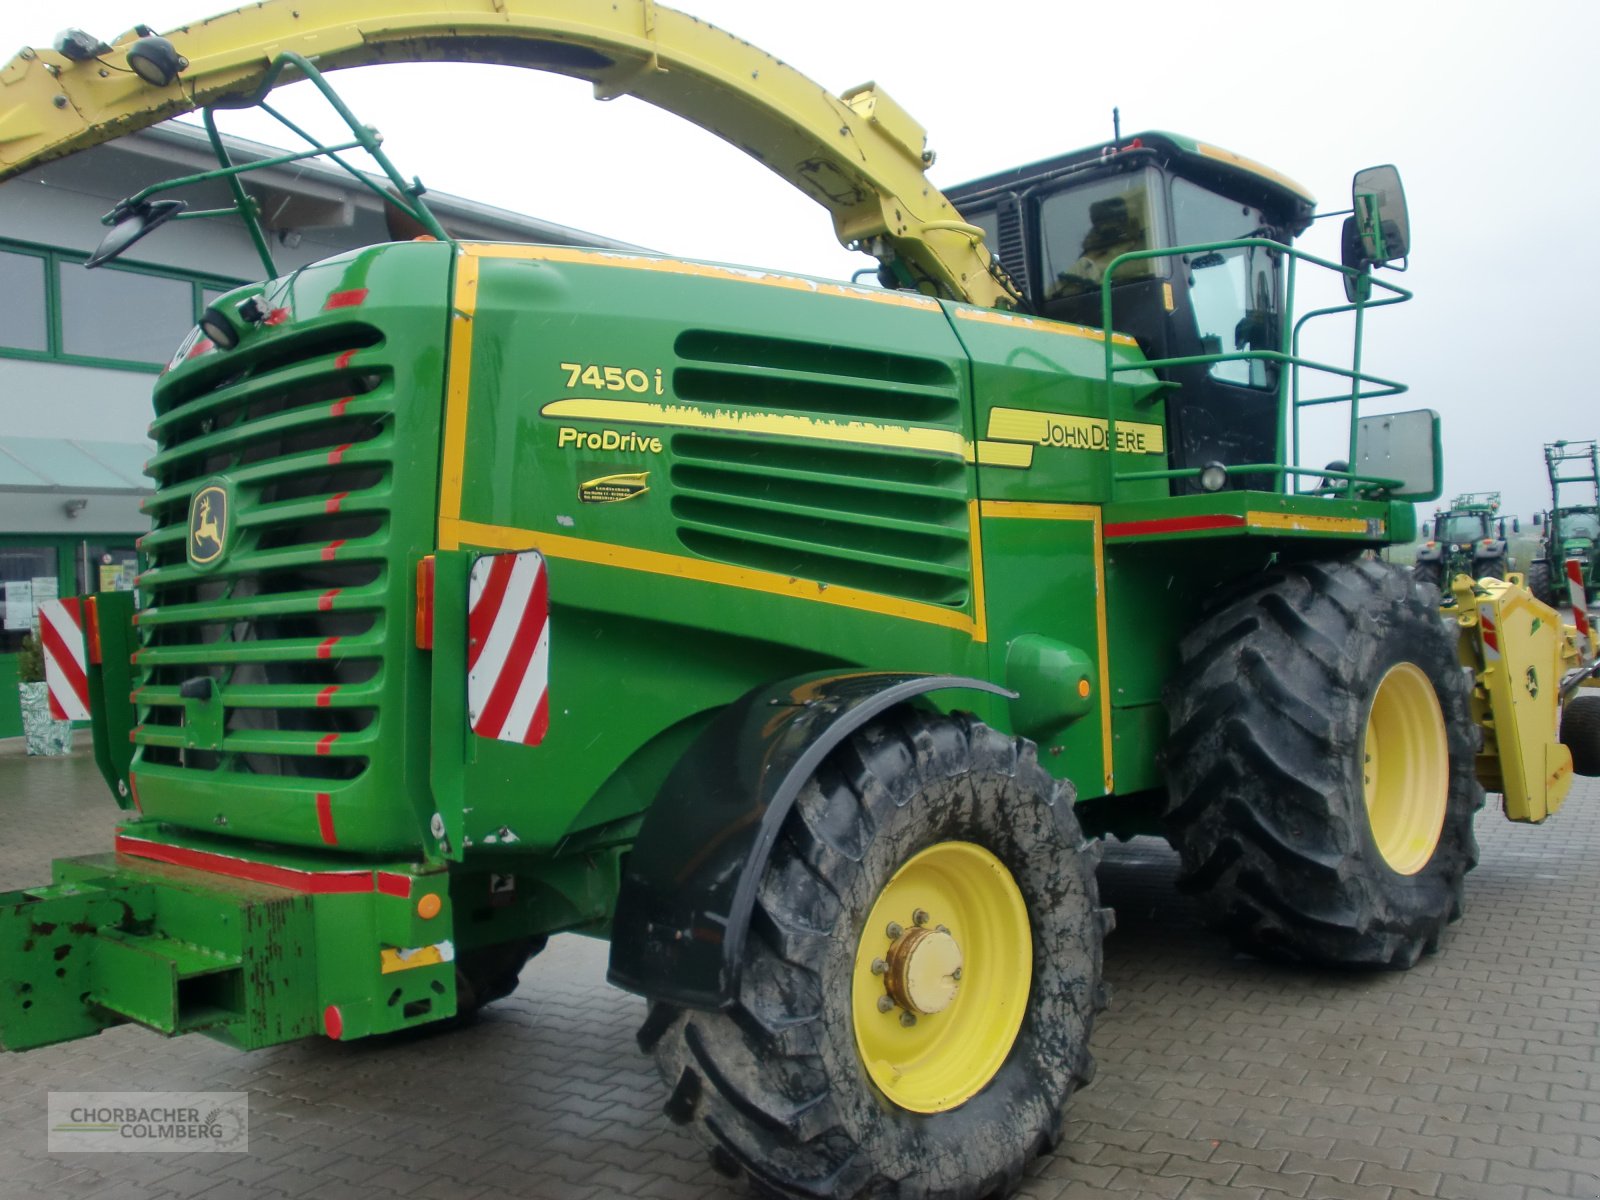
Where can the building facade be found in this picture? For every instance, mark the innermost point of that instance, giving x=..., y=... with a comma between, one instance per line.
x=80, y=348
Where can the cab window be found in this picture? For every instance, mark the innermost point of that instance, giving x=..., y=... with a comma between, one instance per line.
x=1463, y=529
x=1082, y=230
x=1234, y=293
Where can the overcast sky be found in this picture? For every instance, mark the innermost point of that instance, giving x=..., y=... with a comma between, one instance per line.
x=1484, y=109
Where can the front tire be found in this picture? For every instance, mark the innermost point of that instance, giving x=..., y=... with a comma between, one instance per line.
x=815, y=1083
x=1320, y=771
x=1429, y=573
x=1580, y=732
x=1541, y=584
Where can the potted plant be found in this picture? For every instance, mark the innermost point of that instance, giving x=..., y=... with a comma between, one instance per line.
x=44, y=734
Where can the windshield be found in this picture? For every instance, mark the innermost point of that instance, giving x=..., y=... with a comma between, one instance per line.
x=1234, y=292
x=1580, y=525
x=1082, y=230
x=1465, y=527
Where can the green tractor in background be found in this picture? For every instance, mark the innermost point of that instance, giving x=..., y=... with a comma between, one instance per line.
x=1468, y=538
x=1570, y=530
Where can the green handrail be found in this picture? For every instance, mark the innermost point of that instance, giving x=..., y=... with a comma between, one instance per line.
x=1363, y=385
x=407, y=197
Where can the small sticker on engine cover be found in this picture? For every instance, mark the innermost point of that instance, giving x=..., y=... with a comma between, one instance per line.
x=610, y=489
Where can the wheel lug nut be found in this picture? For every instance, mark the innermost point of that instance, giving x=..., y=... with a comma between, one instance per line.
x=956, y=974
x=879, y=967
x=920, y=917
x=908, y=1019
x=885, y=1003
x=942, y=928
x=894, y=930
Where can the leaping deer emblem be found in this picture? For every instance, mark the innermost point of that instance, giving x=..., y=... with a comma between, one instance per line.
x=205, y=531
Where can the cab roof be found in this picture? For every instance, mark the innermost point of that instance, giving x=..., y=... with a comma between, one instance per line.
x=1249, y=180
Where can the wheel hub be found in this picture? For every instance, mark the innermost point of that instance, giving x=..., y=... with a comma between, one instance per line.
x=1405, y=771
x=924, y=970
x=943, y=968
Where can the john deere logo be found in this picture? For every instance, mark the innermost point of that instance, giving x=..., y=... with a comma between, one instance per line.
x=208, y=524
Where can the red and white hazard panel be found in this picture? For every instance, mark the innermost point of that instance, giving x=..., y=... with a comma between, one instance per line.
x=508, y=648
x=1580, y=604
x=66, y=662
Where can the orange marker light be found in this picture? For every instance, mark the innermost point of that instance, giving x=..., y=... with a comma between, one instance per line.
x=428, y=907
x=1083, y=688
x=425, y=603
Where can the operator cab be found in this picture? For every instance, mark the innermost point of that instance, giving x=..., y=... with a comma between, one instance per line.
x=1057, y=225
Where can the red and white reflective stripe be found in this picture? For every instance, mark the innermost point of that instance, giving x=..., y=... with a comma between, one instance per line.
x=66, y=661
x=1491, y=635
x=508, y=648
x=1575, y=591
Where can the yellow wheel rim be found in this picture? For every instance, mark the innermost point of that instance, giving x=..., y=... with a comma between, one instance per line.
x=942, y=975
x=1407, y=769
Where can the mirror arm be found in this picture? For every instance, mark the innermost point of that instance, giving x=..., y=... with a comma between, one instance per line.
x=242, y=202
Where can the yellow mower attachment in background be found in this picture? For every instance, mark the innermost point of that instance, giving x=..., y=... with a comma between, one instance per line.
x=1526, y=664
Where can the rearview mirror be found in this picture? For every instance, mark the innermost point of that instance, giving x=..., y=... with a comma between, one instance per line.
x=132, y=223
x=1380, y=214
x=1425, y=529
x=1405, y=447
x=1516, y=525
x=1538, y=520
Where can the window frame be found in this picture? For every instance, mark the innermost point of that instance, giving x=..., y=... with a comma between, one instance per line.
x=53, y=257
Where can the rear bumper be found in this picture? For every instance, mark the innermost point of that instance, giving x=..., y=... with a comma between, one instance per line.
x=191, y=936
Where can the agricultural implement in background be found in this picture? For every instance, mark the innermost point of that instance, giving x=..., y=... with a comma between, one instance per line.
x=792, y=634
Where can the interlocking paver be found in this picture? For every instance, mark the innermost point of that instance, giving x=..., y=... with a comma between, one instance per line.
x=1471, y=1077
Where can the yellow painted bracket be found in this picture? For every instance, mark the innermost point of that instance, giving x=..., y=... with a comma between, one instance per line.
x=860, y=156
x=1518, y=650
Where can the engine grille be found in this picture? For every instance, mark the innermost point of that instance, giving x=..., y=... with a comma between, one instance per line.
x=289, y=627
x=880, y=519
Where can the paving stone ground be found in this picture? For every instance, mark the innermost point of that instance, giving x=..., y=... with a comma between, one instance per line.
x=1472, y=1077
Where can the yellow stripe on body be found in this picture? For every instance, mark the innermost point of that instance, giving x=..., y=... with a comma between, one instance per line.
x=1005, y=454
x=1307, y=522
x=815, y=429
x=452, y=466
x=675, y=266
x=992, y=316
x=454, y=533
x=1040, y=511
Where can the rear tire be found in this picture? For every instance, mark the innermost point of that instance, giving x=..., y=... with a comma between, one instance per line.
x=1278, y=744
x=490, y=973
x=777, y=1085
x=1580, y=733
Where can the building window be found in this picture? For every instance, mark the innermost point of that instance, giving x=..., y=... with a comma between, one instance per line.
x=27, y=575
x=123, y=315
x=24, y=306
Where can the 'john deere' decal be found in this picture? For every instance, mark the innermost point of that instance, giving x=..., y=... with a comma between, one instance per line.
x=208, y=524
x=1070, y=432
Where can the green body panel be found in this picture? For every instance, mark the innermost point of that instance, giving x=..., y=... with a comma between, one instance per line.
x=631, y=655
